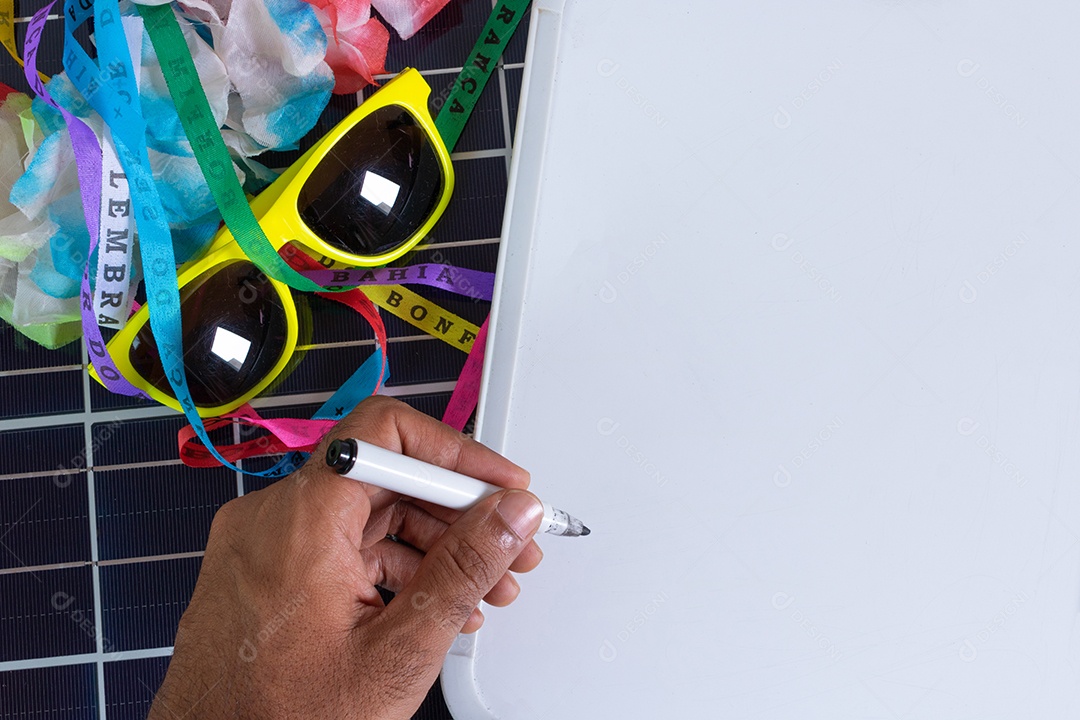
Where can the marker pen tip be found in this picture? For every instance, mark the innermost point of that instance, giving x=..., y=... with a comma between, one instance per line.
x=585, y=530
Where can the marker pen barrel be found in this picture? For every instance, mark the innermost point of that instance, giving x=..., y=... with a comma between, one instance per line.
x=417, y=479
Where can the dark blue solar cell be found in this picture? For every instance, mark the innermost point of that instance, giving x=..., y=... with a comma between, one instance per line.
x=50, y=393
x=18, y=352
x=130, y=686
x=44, y=520
x=50, y=693
x=515, y=49
x=45, y=613
x=477, y=207
x=323, y=370
x=433, y=404
x=43, y=450
x=102, y=399
x=425, y=361
x=444, y=42
x=142, y=602
x=159, y=510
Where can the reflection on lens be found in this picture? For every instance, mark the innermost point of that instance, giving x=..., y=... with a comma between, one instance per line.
x=376, y=187
x=234, y=329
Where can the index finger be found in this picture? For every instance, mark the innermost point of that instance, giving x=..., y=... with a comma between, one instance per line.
x=392, y=424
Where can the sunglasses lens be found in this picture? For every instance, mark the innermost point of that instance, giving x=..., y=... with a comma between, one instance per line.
x=235, y=329
x=376, y=187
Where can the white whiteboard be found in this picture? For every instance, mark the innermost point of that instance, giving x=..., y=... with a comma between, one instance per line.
x=788, y=315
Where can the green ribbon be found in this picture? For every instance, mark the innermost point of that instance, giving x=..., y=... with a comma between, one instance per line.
x=213, y=157
x=209, y=148
x=477, y=70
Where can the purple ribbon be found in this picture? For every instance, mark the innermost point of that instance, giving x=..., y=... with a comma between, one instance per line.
x=88, y=164
x=475, y=284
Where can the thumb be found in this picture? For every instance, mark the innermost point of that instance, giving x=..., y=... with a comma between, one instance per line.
x=460, y=568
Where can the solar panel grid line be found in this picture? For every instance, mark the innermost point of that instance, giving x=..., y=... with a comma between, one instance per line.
x=458, y=243
x=41, y=371
x=383, y=77
x=41, y=568
x=505, y=105
x=478, y=154
x=91, y=499
x=237, y=474
x=84, y=659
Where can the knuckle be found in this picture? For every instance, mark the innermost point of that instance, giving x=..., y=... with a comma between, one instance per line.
x=226, y=527
x=477, y=569
x=226, y=516
x=380, y=407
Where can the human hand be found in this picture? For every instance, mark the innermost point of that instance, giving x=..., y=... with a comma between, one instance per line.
x=286, y=621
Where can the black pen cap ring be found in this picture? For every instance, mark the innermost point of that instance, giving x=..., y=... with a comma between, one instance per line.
x=341, y=455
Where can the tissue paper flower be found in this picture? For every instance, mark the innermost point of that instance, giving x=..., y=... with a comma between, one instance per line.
x=357, y=42
x=408, y=16
x=267, y=68
x=263, y=70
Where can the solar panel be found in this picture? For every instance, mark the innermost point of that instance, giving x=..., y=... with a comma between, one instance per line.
x=102, y=529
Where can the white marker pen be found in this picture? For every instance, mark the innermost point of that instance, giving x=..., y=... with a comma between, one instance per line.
x=417, y=479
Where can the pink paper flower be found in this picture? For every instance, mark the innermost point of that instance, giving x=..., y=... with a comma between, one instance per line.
x=357, y=42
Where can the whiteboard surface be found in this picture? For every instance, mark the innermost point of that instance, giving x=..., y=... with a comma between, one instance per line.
x=787, y=315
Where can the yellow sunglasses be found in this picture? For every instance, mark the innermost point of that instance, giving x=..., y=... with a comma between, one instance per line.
x=363, y=195
x=371, y=188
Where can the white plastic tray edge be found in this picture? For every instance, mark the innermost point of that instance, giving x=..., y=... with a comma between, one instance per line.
x=463, y=696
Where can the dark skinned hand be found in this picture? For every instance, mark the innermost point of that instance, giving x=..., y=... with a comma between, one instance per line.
x=286, y=621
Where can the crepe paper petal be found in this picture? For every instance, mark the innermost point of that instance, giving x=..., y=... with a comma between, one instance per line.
x=69, y=248
x=49, y=335
x=20, y=236
x=50, y=175
x=190, y=241
x=408, y=16
x=31, y=306
x=300, y=32
x=280, y=81
x=164, y=131
x=346, y=16
x=32, y=134
x=184, y=193
x=358, y=58
x=258, y=176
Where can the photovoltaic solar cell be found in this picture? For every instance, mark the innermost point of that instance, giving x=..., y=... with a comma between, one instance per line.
x=101, y=528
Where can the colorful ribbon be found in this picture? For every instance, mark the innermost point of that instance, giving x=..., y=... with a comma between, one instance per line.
x=467, y=390
x=477, y=70
x=476, y=284
x=110, y=90
x=88, y=164
x=209, y=148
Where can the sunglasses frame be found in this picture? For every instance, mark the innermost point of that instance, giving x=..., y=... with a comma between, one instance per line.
x=216, y=257
x=276, y=210
x=276, y=207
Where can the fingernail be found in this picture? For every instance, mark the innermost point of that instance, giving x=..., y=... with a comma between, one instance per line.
x=521, y=511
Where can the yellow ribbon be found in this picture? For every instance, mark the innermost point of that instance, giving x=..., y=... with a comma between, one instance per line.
x=7, y=33
x=424, y=314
